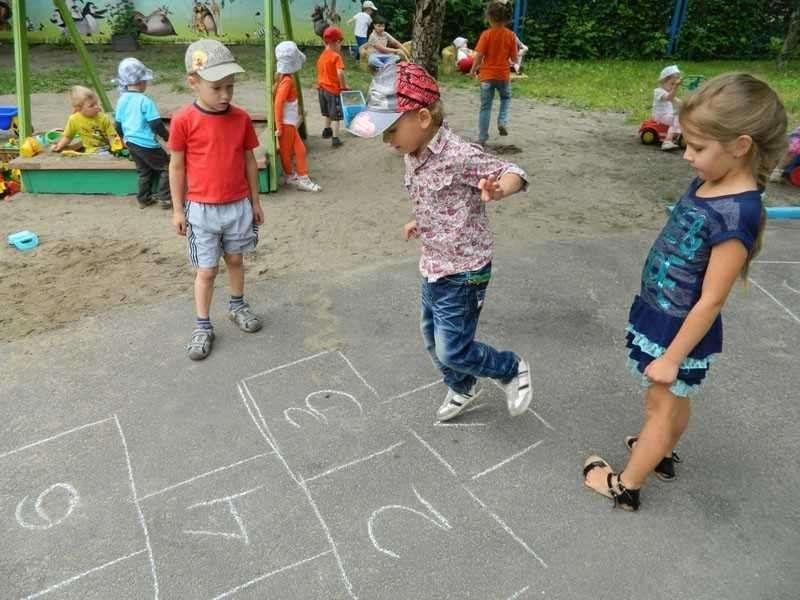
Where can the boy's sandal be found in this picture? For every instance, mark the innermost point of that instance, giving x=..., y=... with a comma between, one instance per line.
x=624, y=498
x=665, y=470
x=245, y=319
x=199, y=346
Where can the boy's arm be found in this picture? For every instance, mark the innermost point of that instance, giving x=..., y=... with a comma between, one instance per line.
x=66, y=138
x=158, y=128
x=476, y=63
x=177, y=188
x=251, y=168
x=342, y=79
x=280, y=98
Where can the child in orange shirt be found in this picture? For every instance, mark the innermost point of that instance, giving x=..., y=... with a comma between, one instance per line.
x=287, y=118
x=331, y=81
x=496, y=50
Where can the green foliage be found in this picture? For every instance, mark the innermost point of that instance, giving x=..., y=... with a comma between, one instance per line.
x=121, y=19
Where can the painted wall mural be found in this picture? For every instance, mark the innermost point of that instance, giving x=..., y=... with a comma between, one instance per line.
x=181, y=21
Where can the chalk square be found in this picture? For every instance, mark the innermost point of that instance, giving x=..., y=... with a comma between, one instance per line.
x=86, y=515
x=204, y=543
x=404, y=527
x=478, y=439
x=319, y=413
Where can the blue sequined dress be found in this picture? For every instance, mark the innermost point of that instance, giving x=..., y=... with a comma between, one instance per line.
x=672, y=280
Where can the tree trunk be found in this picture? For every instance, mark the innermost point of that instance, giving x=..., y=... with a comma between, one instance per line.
x=427, y=35
x=792, y=39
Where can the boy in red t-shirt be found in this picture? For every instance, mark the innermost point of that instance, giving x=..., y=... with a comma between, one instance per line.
x=496, y=50
x=331, y=81
x=222, y=211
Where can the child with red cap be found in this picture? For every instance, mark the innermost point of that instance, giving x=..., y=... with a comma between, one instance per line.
x=330, y=82
x=449, y=181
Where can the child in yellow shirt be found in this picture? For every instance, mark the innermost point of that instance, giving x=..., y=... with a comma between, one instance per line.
x=95, y=127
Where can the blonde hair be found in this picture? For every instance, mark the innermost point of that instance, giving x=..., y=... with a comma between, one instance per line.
x=736, y=104
x=437, y=113
x=79, y=94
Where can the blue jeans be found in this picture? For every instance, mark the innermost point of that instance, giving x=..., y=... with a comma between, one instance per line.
x=378, y=61
x=360, y=41
x=487, y=96
x=450, y=310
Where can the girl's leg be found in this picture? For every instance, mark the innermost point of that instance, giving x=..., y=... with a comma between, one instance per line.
x=667, y=416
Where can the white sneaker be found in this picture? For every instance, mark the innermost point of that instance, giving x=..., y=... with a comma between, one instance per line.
x=518, y=390
x=776, y=176
x=668, y=145
x=305, y=184
x=288, y=179
x=455, y=403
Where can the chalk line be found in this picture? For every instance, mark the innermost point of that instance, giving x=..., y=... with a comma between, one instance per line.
x=414, y=391
x=270, y=574
x=89, y=572
x=787, y=286
x=506, y=461
x=53, y=437
x=519, y=593
x=364, y=381
x=506, y=528
x=774, y=299
x=353, y=462
x=139, y=508
x=434, y=452
x=266, y=434
x=291, y=364
x=206, y=474
x=777, y=262
x=541, y=419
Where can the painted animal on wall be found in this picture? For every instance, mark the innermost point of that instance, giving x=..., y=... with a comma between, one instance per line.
x=203, y=20
x=156, y=23
x=86, y=18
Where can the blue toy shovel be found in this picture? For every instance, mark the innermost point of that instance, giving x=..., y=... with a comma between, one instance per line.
x=24, y=240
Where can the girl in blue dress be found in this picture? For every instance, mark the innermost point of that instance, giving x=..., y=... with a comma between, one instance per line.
x=735, y=131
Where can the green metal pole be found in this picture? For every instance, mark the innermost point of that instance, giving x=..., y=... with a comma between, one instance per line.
x=21, y=65
x=287, y=28
x=269, y=62
x=82, y=52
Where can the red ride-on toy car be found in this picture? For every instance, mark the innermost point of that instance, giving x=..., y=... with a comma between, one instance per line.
x=651, y=132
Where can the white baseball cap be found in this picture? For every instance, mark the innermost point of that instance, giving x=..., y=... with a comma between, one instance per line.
x=668, y=72
x=369, y=4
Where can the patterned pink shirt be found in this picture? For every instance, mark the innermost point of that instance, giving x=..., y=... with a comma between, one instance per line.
x=451, y=217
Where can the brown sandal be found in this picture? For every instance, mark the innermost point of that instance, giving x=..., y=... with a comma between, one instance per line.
x=624, y=498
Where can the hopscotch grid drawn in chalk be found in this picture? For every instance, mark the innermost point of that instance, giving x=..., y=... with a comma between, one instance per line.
x=505, y=527
x=75, y=578
x=357, y=374
x=506, y=461
x=263, y=429
x=247, y=584
x=74, y=499
x=352, y=462
x=202, y=475
x=58, y=435
x=412, y=392
x=433, y=451
x=438, y=520
x=774, y=299
x=138, y=508
x=290, y=364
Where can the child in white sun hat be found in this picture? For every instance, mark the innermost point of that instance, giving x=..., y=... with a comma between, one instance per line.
x=665, y=104
x=288, y=118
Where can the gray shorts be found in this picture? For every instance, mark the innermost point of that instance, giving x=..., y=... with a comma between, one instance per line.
x=212, y=229
x=330, y=105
